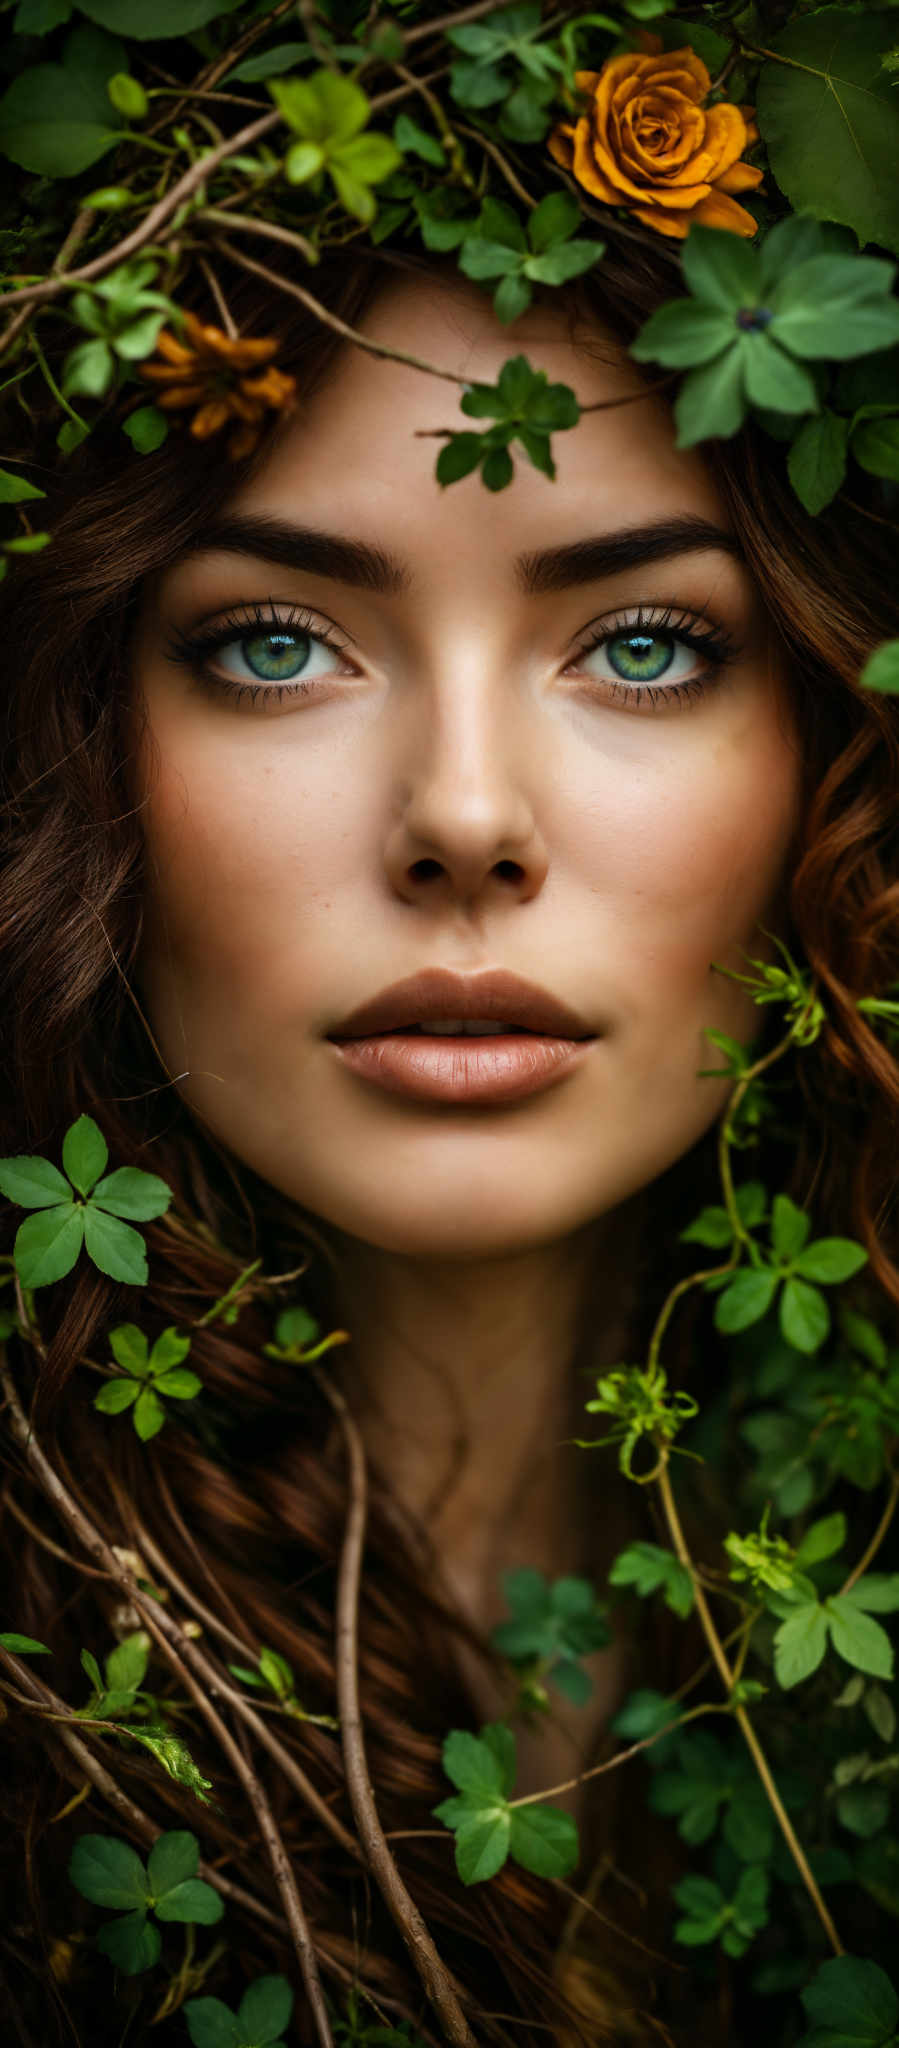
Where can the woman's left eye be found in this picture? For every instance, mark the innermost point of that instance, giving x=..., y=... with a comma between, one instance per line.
x=280, y=655
x=655, y=657
x=260, y=656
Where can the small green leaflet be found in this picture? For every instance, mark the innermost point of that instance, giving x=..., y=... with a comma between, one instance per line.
x=23, y=1646
x=487, y=1827
x=708, y=1915
x=851, y=2004
x=801, y=1640
x=110, y=1873
x=525, y=407
x=79, y=1207
x=149, y=1374
x=552, y=1627
x=261, y=2019
x=650, y=1569
x=542, y=250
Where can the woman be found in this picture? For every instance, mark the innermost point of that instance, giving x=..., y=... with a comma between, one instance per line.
x=319, y=774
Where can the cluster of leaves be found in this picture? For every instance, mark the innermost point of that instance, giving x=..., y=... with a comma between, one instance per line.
x=274, y=1674
x=146, y=1376
x=119, y=1700
x=110, y=1873
x=84, y=1205
x=552, y=1627
x=546, y=250
x=637, y=1400
x=525, y=408
x=487, y=1824
x=260, y=2021
x=790, y=1272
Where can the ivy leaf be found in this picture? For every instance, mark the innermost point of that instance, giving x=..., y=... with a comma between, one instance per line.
x=829, y=123
x=132, y=1943
x=47, y=1244
x=108, y=1872
x=544, y=1840
x=649, y=1568
x=851, y=2004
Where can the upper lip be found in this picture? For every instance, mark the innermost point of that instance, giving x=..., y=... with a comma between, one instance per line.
x=435, y=992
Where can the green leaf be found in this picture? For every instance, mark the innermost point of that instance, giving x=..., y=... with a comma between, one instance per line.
x=499, y=1739
x=861, y=1641
x=115, y=1396
x=132, y=1943
x=774, y=379
x=84, y=1153
x=211, y=2024
x=114, y=1247
x=852, y=2004
x=127, y=95
x=479, y=258
x=171, y=1347
x=156, y=19
x=357, y=197
x=108, y=1872
x=511, y=298
x=710, y=402
x=89, y=368
x=283, y=57
x=33, y=1183
x=747, y=1298
x=24, y=1646
x=817, y=460
x=683, y=332
x=461, y=455
x=804, y=1316
x=91, y=1670
x=265, y=2010
x=179, y=1385
x=790, y=1227
x=149, y=1414
x=55, y=118
x=544, y=1839
x=722, y=270
x=194, y=1900
x=276, y=1672
x=126, y=1665
x=498, y=469
x=13, y=489
x=368, y=157
x=881, y=670
x=129, y=1349
x=831, y=1260
x=173, y=1857
x=829, y=123
x=875, y=444
x=877, y=1592
x=822, y=1540
x=482, y=1844
x=799, y=1644
x=836, y=306
x=131, y=1192
x=863, y=1809
x=647, y=1567
x=409, y=136
x=48, y=1243
x=38, y=17
x=472, y=1765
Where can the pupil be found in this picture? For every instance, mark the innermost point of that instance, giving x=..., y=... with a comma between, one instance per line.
x=640, y=657
x=275, y=656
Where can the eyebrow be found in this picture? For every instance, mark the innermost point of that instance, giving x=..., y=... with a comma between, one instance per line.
x=371, y=568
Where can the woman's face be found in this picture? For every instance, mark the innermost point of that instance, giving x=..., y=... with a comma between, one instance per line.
x=460, y=781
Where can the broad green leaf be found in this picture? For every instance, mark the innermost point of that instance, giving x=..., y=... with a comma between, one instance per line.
x=132, y=1943
x=829, y=120
x=265, y=2010
x=498, y=469
x=23, y=1646
x=471, y=1765
x=108, y=1872
x=881, y=670
x=710, y=403
x=648, y=1567
x=89, y=369
x=171, y=1346
x=511, y=298
x=55, y=119
x=84, y=1153
x=565, y=260
x=146, y=429
x=497, y=1736
x=114, y=1247
x=836, y=306
x=482, y=1844
x=683, y=332
x=38, y=17
x=462, y=454
x=33, y=1183
x=303, y=160
x=544, y=1839
x=556, y=217
x=573, y=1682
x=831, y=1260
x=861, y=1641
x=799, y=1644
x=126, y=1665
x=773, y=379
x=178, y=1384
x=129, y=1349
x=410, y=137
x=711, y=1227
x=155, y=20
x=817, y=460
x=355, y=195
x=149, y=1414
x=137, y=341
x=822, y=1540
x=804, y=1315
x=13, y=489
x=480, y=258
x=853, y=2003
x=875, y=444
x=368, y=157
x=173, y=1857
x=115, y=1396
x=863, y=1809
x=722, y=270
x=211, y=2024
x=790, y=1227
x=132, y=1193
x=877, y=1593
x=747, y=1298
x=48, y=1243
x=194, y=1900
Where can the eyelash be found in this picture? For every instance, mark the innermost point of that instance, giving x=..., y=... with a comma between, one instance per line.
x=192, y=651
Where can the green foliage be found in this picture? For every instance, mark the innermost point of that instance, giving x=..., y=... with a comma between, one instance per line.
x=274, y=1674
x=122, y=316
x=792, y=986
x=830, y=122
x=147, y=1375
x=261, y=2019
x=156, y=19
x=23, y=1646
x=115, y=1696
x=487, y=1826
x=851, y=2004
x=297, y=1339
x=650, y=1569
x=704, y=1784
x=637, y=1400
x=504, y=64
x=56, y=119
x=146, y=429
x=881, y=671
x=525, y=408
x=110, y=1873
x=327, y=113
x=545, y=250
x=792, y=1273
x=709, y=1916
x=552, y=1627
x=844, y=1618
x=85, y=1206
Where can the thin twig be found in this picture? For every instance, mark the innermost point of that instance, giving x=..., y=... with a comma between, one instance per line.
x=433, y=1973
x=182, y=1655
x=501, y=161
x=870, y=1553
x=623, y=1756
x=228, y=323
x=270, y=230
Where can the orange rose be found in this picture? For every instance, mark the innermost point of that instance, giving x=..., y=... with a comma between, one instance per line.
x=647, y=143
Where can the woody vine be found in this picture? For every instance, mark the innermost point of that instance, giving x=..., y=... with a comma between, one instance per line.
x=488, y=132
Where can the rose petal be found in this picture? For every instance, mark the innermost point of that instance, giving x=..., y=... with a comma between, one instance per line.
x=717, y=211
x=590, y=173
x=740, y=178
x=210, y=418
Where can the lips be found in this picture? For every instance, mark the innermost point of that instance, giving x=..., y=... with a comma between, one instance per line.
x=436, y=994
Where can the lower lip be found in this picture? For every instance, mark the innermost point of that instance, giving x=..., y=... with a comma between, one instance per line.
x=501, y=1068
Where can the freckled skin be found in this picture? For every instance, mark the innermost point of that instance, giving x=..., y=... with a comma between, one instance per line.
x=457, y=730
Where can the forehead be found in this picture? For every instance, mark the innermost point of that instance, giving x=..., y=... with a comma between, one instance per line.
x=361, y=451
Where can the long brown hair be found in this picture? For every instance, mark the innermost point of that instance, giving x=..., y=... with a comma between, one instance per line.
x=247, y=1503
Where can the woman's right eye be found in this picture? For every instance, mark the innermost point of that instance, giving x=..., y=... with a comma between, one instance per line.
x=282, y=655
x=260, y=656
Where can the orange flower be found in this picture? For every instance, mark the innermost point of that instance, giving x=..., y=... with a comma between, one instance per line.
x=647, y=143
x=209, y=370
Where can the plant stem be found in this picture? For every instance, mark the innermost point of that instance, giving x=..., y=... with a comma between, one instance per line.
x=51, y=383
x=746, y=1728
x=623, y=1756
x=270, y=230
x=870, y=1553
x=434, y=1975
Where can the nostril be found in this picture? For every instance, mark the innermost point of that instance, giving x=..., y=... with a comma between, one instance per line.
x=509, y=870
x=425, y=870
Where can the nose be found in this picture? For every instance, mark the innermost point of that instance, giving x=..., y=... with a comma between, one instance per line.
x=465, y=828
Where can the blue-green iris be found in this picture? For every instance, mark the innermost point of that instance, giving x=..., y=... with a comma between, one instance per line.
x=276, y=656
x=641, y=657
